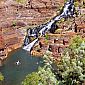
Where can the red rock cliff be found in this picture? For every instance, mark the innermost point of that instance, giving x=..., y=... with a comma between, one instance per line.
x=34, y=12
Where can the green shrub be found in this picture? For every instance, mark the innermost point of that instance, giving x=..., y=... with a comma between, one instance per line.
x=31, y=79
x=44, y=76
x=14, y=23
x=1, y=77
x=21, y=1
x=71, y=69
x=46, y=36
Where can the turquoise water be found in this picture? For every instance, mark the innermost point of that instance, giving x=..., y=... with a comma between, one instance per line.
x=13, y=73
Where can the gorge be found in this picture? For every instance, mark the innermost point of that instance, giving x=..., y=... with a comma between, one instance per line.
x=68, y=11
x=17, y=33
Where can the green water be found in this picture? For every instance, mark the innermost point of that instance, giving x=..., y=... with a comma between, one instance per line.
x=13, y=73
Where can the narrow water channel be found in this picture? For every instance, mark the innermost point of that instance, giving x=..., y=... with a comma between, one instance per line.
x=13, y=73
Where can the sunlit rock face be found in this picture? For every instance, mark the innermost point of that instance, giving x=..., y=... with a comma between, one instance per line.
x=46, y=3
x=12, y=38
x=68, y=11
x=14, y=15
x=33, y=12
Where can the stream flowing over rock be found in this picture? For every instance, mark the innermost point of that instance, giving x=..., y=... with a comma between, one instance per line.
x=15, y=17
x=68, y=11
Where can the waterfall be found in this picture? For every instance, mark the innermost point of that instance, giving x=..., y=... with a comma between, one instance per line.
x=30, y=45
x=26, y=41
x=68, y=11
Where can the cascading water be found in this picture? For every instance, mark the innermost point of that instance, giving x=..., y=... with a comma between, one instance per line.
x=26, y=41
x=29, y=46
x=21, y=62
x=68, y=11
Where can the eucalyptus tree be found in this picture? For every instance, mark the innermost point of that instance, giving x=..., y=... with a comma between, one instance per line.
x=71, y=69
x=44, y=75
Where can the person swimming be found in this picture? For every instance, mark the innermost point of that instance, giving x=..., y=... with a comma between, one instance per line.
x=18, y=62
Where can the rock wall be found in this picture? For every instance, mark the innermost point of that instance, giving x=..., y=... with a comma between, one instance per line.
x=14, y=15
x=34, y=12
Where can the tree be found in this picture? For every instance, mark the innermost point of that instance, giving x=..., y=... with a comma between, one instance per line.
x=44, y=76
x=31, y=79
x=76, y=42
x=1, y=77
x=71, y=69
